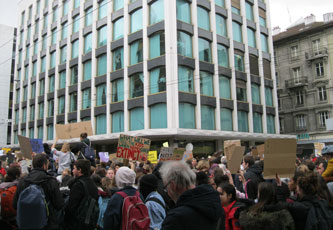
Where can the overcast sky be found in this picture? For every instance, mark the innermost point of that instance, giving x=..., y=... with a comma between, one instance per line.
x=279, y=11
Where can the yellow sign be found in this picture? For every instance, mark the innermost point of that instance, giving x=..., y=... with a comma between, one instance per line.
x=152, y=157
x=6, y=150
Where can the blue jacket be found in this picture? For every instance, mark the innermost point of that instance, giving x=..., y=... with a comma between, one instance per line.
x=156, y=211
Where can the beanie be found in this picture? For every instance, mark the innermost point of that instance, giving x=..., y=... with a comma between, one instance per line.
x=125, y=177
x=149, y=180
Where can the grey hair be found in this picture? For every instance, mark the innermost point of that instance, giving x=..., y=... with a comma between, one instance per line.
x=179, y=172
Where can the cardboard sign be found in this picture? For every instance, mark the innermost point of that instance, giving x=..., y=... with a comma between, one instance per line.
x=187, y=156
x=171, y=154
x=6, y=150
x=236, y=159
x=25, y=146
x=112, y=156
x=178, y=154
x=318, y=147
x=229, y=147
x=73, y=130
x=280, y=157
x=37, y=145
x=152, y=157
x=254, y=152
x=261, y=151
x=135, y=148
x=104, y=156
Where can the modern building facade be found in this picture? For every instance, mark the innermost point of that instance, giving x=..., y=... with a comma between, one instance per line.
x=304, y=67
x=170, y=70
x=7, y=66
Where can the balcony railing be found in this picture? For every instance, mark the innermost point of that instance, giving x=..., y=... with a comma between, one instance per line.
x=297, y=82
x=315, y=54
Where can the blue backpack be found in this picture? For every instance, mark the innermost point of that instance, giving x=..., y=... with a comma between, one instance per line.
x=32, y=208
x=89, y=152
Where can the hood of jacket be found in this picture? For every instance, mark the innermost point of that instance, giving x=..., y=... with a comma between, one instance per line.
x=37, y=176
x=204, y=200
x=254, y=172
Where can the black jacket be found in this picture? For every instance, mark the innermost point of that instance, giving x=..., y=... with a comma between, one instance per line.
x=198, y=208
x=77, y=193
x=51, y=191
x=253, y=176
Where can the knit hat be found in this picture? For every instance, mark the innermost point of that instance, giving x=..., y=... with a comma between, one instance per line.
x=149, y=180
x=125, y=177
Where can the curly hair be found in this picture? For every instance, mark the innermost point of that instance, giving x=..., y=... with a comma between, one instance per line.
x=309, y=184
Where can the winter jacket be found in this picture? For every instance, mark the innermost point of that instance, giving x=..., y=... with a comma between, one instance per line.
x=230, y=216
x=51, y=191
x=273, y=217
x=77, y=193
x=253, y=177
x=3, y=172
x=156, y=211
x=329, y=170
x=196, y=209
x=65, y=160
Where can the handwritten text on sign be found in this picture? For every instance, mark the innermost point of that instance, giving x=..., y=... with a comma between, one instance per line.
x=135, y=148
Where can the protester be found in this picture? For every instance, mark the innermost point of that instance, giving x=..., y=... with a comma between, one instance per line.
x=196, y=207
x=38, y=176
x=110, y=173
x=253, y=177
x=321, y=165
x=2, y=170
x=65, y=157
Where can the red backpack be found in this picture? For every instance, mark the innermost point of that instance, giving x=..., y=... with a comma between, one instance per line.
x=135, y=213
x=6, y=200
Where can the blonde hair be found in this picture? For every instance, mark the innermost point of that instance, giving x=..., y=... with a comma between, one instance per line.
x=65, y=148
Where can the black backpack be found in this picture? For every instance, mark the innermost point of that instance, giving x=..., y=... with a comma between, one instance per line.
x=88, y=210
x=88, y=152
x=320, y=215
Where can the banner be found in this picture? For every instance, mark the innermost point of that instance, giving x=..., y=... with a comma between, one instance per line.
x=318, y=147
x=236, y=159
x=135, y=148
x=152, y=157
x=37, y=145
x=229, y=146
x=280, y=157
x=25, y=146
x=104, y=156
x=73, y=130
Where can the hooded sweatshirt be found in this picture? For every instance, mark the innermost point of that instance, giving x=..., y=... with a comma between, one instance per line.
x=253, y=177
x=198, y=208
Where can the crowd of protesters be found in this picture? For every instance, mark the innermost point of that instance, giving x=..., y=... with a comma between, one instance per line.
x=80, y=193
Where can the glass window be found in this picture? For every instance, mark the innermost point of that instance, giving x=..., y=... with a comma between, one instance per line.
x=50, y=108
x=20, y=57
x=221, y=26
x=64, y=31
x=118, y=29
x=75, y=49
x=38, y=7
x=205, y=53
x=33, y=90
x=137, y=119
x=203, y=18
x=118, y=90
x=55, y=14
x=16, y=117
x=156, y=45
x=136, y=21
x=17, y=96
x=235, y=10
x=86, y=98
x=184, y=11
x=118, y=59
x=15, y=137
x=76, y=24
x=65, y=8
x=41, y=111
x=320, y=69
x=87, y=70
x=63, y=55
x=136, y=85
x=103, y=9
x=243, y=123
x=264, y=44
x=88, y=17
x=224, y=84
x=37, y=27
x=62, y=80
x=101, y=65
x=36, y=48
x=51, y=84
x=239, y=62
x=271, y=124
x=32, y=113
x=76, y=4
x=237, y=32
x=249, y=11
x=44, y=41
x=262, y=21
x=87, y=43
x=29, y=33
x=251, y=37
x=257, y=123
x=102, y=36
x=206, y=84
x=74, y=75
x=222, y=55
x=117, y=122
x=157, y=80
x=27, y=53
x=241, y=94
x=255, y=92
x=31, y=133
x=156, y=12
x=101, y=124
x=268, y=96
x=158, y=116
x=207, y=117
x=26, y=73
x=322, y=94
x=41, y=87
x=40, y=132
x=52, y=60
x=184, y=44
x=136, y=50
x=185, y=79
x=50, y=132
x=73, y=102
x=24, y=115
x=34, y=69
x=186, y=116
x=45, y=22
x=118, y=4
x=220, y=3
x=101, y=95
x=226, y=119
x=25, y=93
x=21, y=38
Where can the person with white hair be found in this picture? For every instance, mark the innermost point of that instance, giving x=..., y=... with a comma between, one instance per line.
x=196, y=207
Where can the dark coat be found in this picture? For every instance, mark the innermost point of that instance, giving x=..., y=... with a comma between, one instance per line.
x=253, y=176
x=198, y=208
x=113, y=212
x=77, y=193
x=51, y=191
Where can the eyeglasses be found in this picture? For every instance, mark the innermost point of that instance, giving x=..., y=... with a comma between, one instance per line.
x=165, y=187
